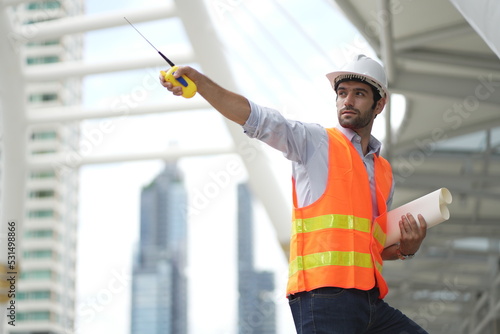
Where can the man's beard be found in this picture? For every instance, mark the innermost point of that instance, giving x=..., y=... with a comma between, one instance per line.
x=359, y=121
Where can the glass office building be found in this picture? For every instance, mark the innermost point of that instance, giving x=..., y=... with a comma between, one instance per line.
x=256, y=308
x=159, y=285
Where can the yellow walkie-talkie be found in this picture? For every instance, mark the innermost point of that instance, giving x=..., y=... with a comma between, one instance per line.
x=188, y=86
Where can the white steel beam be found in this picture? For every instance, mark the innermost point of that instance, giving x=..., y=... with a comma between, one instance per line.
x=261, y=180
x=352, y=15
x=386, y=40
x=387, y=55
x=57, y=71
x=85, y=23
x=403, y=147
x=451, y=64
x=68, y=160
x=76, y=113
x=419, y=40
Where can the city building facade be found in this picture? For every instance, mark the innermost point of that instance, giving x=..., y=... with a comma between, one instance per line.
x=45, y=292
x=159, y=284
x=256, y=308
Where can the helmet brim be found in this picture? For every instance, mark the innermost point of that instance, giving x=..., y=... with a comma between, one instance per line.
x=336, y=76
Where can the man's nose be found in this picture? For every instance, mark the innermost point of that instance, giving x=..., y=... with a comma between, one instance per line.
x=349, y=100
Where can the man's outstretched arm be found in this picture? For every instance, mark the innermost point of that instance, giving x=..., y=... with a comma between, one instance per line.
x=231, y=105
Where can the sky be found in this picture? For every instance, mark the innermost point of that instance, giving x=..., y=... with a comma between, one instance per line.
x=289, y=77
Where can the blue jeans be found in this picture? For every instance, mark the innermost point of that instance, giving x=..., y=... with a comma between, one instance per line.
x=347, y=311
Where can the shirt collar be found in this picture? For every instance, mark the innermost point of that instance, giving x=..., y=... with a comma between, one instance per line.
x=374, y=145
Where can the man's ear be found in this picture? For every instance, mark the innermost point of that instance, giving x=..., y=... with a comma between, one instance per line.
x=380, y=105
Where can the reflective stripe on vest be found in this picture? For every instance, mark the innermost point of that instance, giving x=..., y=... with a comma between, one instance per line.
x=337, y=221
x=334, y=241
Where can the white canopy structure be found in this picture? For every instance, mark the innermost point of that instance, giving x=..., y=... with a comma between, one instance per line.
x=443, y=57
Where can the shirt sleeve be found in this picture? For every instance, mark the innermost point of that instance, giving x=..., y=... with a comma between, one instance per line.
x=296, y=140
x=391, y=196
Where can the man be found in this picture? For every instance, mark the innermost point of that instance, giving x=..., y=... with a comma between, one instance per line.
x=341, y=191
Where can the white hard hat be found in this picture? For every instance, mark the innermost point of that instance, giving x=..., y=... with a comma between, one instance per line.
x=362, y=68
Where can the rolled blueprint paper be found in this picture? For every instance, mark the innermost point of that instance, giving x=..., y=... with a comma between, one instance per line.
x=433, y=207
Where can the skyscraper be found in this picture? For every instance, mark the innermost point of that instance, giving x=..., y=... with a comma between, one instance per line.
x=159, y=285
x=45, y=296
x=256, y=309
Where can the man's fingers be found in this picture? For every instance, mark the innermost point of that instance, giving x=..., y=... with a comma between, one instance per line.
x=177, y=90
x=406, y=224
x=423, y=225
x=182, y=70
x=422, y=221
x=412, y=233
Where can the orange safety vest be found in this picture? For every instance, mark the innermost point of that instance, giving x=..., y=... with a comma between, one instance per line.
x=335, y=242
